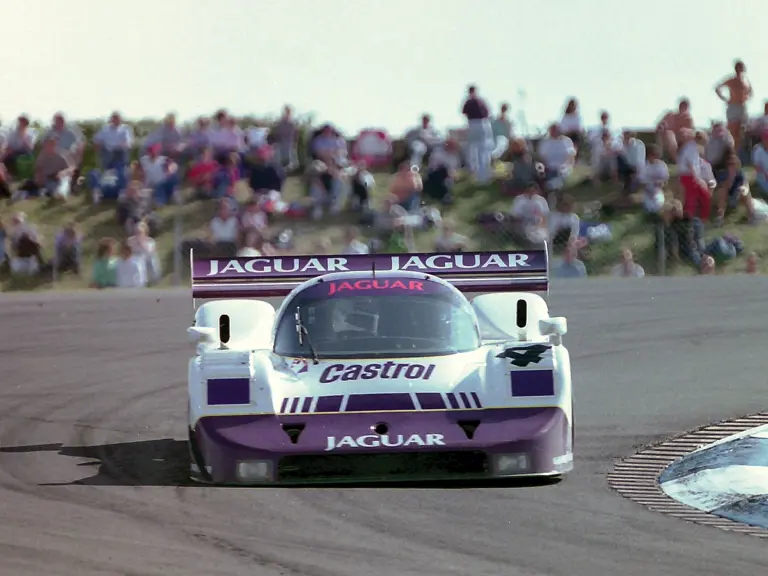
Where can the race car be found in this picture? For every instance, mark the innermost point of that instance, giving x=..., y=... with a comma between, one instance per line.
x=376, y=368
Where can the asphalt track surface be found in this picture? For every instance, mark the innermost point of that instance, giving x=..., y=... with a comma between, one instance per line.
x=92, y=423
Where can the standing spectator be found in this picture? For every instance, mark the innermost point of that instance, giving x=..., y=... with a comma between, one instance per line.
x=628, y=268
x=571, y=124
x=739, y=94
x=68, y=249
x=286, y=137
x=19, y=145
x=760, y=161
x=557, y=153
x=422, y=140
x=160, y=174
x=131, y=272
x=502, y=132
x=113, y=144
x=145, y=249
x=479, y=136
x=407, y=186
x=698, y=198
x=104, y=271
x=570, y=266
x=653, y=179
x=670, y=130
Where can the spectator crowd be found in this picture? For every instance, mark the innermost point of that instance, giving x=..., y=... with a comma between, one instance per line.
x=686, y=181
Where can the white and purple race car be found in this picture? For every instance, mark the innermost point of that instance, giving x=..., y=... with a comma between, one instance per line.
x=377, y=368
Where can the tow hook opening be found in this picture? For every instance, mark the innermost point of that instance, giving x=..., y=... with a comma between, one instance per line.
x=381, y=428
x=293, y=431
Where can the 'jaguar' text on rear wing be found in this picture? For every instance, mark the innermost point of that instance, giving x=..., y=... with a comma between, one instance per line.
x=502, y=271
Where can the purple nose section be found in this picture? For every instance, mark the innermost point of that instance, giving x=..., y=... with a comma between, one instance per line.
x=271, y=435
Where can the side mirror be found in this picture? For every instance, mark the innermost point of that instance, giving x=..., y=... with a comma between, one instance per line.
x=201, y=334
x=555, y=328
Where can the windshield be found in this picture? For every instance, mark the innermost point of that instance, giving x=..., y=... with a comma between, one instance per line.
x=377, y=319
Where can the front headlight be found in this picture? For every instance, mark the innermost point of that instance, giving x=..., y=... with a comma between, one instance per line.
x=512, y=463
x=254, y=470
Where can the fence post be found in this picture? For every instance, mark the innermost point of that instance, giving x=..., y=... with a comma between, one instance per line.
x=661, y=242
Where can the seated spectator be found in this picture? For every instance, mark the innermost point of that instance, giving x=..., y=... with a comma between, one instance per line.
x=628, y=268
x=104, y=271
x=733, y=188
x=4, y=257
x=570, y=266
x=285, y=136
x=160, y=174
x=136, y=206
x=325, y=145
x=145, y=249
x=352, y=243
x=264, y=175
x=113, y=144
x=168, y=138
x=670, y=129
x=224, y=230
x=5, y=183
x=563, y=224
x=442, y=171
x=653, y=179
x=604, y=162
x=707, y=265
x=254, y=245
x=227, y=140
x=571, y=124
x=326, y=188
x=54, y=170
x=407, y=186
x=19, y=145
x=202, y=175
x=363, y=184
x=256, y=138
x=130, y=270
x=227, y=178
x=69, y=139
x=558, y=155
x=68, y=249
x=523, y=169
x=760, y=162
x=630, y=159
x=448, y=240
x=421, y=141
x=322, y=246
x=384, y=218
x=530, y=211
x=682, y=237
x=26, y=246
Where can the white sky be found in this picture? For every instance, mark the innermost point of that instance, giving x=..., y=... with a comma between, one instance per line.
x=376, y=63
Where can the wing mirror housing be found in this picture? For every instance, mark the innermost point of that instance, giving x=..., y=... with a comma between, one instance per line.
x=201, y=334
x=555, y=328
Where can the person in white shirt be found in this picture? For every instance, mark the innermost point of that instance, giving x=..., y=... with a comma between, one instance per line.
x=422, y=140
x=224, y=229
x=760, y=161
x=557, y=153
x=113, y=144
x=653, y=178
x=131, y=270
x=144, y=248
x=630, y=159
x=160, y=174
x=563, y=223
x=571, y=124
x=448, y=240
x=531, y=210
x=604, y=161
x=628, y=268
x=690, y=166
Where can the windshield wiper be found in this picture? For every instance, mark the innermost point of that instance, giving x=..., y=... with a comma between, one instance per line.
x=302, y=331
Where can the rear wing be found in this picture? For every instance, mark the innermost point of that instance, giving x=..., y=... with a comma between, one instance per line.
x=261, y=277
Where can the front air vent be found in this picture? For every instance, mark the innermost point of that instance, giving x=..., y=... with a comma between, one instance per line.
x=293, y=431
x=469, y=427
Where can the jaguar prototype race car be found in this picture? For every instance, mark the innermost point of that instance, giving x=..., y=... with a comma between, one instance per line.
x=377, y=368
